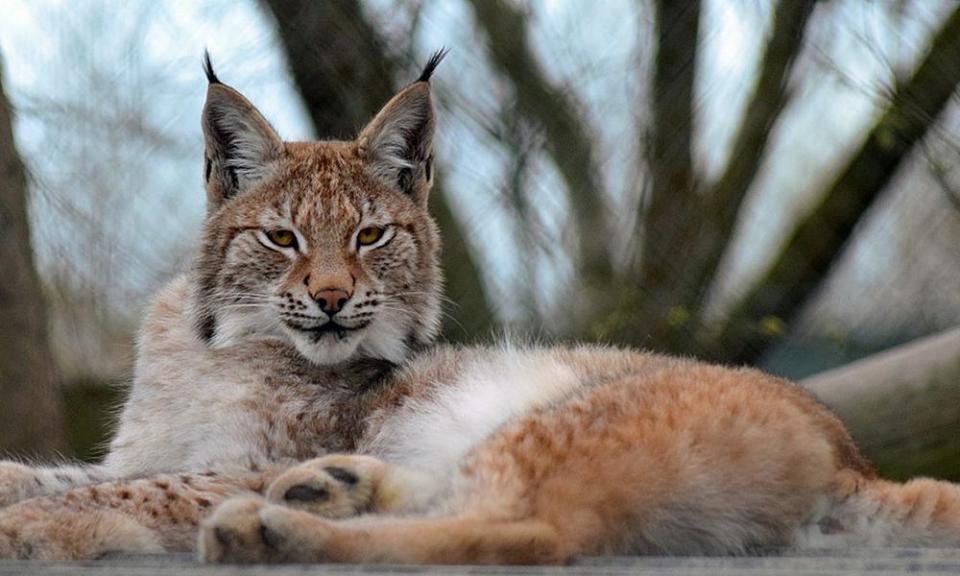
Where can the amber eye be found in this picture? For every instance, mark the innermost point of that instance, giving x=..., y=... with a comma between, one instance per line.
x=369, y=235
x=283, y=238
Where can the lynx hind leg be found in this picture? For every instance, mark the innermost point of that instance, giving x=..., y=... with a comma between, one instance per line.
x=44, y=530
x=17, y=482
x=245, y=530
x=873, y=512
x=20, y=482
x=141, y=515
x=341, y=485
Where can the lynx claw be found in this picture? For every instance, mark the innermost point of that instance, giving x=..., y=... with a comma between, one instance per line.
x=232, y=533
x=250, y=530
x=337, y=486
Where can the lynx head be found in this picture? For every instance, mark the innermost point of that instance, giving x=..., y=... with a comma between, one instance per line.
x=327, y=245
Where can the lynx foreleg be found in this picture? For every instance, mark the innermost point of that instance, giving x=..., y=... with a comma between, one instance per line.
x=20, y=482
x=252, y=530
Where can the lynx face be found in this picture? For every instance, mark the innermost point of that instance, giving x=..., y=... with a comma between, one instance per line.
x=327, y=245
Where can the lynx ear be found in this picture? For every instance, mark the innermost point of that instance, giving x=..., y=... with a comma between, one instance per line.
x=397, y=143
x=240, y=145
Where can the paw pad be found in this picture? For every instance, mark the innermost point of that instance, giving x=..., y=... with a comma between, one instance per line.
x=305, y=493
x=342, y=474
x=336, y=486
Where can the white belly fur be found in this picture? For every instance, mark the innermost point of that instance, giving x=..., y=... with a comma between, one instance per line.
x=431, y=436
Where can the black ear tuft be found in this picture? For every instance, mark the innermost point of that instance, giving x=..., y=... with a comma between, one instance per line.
x=432, y=64
x=208, y=68
x=240, y=145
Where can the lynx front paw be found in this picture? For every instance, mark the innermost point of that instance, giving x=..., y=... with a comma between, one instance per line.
x=250, y=530
x=17, y=482
x=336, y=486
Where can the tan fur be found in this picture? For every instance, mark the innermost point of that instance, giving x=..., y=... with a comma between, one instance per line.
x=502, y=455
x=148, y=515
x=640, y=464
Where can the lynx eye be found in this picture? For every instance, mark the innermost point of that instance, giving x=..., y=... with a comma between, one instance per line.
x=282, y=238
x=369, y=235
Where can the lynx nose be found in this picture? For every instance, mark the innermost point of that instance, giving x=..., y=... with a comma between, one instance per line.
x=331, y=301
x=331, y=292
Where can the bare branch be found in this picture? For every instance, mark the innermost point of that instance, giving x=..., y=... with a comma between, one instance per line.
x=672, y=210
x=818, y=239
x=770, y=96
x=671, y=214
x=568, y=139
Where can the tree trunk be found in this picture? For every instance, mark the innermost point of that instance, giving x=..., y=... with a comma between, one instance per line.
x=653, y=306
x=818, y=239
x=672, y=213
x=725, y=198
x=345, y=74
x=31, y=419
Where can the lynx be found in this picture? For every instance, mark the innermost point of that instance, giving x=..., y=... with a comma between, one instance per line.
x=282, y=315
x=289, y=406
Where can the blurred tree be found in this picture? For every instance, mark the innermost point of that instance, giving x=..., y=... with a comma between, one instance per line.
x=658, y=303
x=31, y=420
x=818, y=239
x=686, y=224
x=345, y=74
x=560, y=164
x=681, y=210
x=568, y=139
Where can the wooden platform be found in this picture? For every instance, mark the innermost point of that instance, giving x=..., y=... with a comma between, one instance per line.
x=888, y=561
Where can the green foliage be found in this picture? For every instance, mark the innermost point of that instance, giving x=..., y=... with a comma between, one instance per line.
x=90, y=406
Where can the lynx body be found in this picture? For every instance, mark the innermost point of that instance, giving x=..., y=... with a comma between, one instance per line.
x=288, y=404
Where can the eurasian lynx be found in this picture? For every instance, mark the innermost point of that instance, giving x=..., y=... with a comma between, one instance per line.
x=290, y=312
x=292, y=339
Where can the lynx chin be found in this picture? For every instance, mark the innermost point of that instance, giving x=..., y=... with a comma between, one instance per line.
x=289, y=404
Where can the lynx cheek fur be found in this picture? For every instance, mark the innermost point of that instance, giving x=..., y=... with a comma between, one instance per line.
x=451, y=455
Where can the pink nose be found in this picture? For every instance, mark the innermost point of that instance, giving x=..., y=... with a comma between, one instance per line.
x=332, y=300
x=330, y=291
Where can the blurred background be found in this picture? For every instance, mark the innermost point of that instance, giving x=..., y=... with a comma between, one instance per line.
x=743, y=181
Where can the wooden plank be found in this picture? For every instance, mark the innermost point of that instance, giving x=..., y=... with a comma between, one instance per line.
x=907, y=365
x=850, y=561
x=902, y=406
